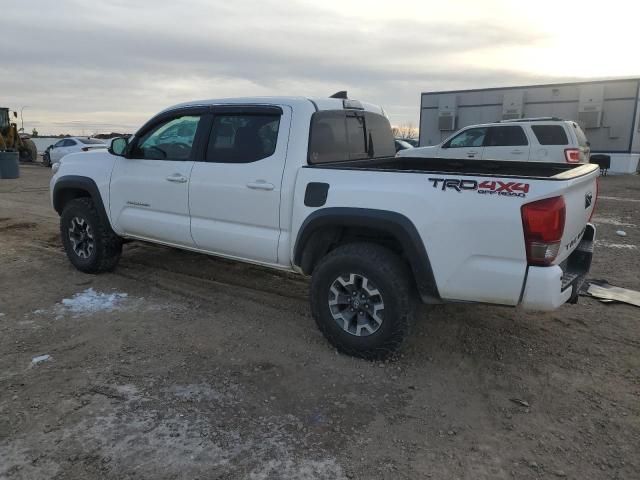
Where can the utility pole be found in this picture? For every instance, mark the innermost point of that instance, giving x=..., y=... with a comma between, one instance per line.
x=22, y=119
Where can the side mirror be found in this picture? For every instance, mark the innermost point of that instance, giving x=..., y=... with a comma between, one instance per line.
x=15, y=114
x=119, y=146
x=445, y=145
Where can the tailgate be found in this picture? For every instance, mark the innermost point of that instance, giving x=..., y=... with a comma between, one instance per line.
x=580, y=199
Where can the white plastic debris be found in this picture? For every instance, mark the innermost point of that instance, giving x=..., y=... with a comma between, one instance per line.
x=621, y=233
x=40, y=359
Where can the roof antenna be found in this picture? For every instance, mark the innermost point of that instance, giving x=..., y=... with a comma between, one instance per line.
x=341, y=94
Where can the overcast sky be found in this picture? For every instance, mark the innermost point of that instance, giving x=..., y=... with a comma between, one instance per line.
x=85, y=67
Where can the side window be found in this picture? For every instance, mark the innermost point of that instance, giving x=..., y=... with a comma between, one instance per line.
x=474, y=137
x=242, y=137
x=328, y=137
x=508, y=136
x=59, y=143
x=550, y=134
x=170, y=140
x=68, y=143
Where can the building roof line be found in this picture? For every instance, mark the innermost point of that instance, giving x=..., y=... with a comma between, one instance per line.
x=542, y=85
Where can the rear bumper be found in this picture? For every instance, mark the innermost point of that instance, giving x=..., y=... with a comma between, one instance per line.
x=547, y=288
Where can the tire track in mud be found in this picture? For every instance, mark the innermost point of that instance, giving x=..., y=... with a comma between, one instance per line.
x=219, y=271
x=201, y=289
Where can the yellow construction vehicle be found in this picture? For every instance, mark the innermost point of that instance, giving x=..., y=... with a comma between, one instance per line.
x=11, y=141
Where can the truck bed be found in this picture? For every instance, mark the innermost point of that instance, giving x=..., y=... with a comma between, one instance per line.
x=493, y=168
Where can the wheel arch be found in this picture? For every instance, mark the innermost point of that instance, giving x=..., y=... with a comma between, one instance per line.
x=327, y=228
x=70, y=187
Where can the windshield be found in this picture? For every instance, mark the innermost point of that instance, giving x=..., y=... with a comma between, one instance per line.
x=4, y=118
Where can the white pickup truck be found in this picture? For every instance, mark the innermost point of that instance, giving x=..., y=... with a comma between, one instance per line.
x=312, y=186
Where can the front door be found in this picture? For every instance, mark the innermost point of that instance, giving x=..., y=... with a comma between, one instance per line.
x=150, y=189
x=234, y=195
x=61, y=148
x=465, y=145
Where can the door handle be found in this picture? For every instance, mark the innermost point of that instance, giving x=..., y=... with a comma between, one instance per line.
x=177, y=178
x=517, y=152
x=260, y=185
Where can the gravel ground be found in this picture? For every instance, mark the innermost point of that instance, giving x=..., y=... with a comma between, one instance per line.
x=179, y=365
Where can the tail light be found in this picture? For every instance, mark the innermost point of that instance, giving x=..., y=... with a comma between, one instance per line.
x=572, y=155
x=543, y=223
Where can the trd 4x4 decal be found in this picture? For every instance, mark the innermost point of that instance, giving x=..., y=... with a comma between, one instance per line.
x=486, y=187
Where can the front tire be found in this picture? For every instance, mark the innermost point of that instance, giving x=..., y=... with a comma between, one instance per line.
x=90, y=243
x=363, y=300
x=29, y=152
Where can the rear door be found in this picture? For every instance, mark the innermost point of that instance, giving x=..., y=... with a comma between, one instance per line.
x=551, y=141
x=466, y=144
x=234, y=194
x=508, y=142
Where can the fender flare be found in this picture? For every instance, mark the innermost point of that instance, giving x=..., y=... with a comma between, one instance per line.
x=78, y=182
x=393, y=223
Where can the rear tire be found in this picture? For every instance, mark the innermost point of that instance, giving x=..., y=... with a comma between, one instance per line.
x=373, y=322
x=90, y=243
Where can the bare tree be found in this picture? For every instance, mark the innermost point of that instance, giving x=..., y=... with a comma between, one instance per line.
x=408, y=131
x=395, y=131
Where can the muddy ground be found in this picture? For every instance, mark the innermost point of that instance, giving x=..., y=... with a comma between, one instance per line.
x=210, y=369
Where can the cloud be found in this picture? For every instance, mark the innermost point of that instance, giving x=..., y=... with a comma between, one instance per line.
x=115, y=63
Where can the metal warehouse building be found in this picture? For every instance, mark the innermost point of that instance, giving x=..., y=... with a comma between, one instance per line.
x=607, y=110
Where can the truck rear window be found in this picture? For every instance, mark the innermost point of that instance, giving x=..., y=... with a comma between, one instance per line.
x=342, y=135
x=550, y=134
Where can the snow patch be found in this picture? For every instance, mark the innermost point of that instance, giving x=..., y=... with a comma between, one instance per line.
x=604, y=243
x=203, y=392
x=612, y=221
x=90, y=301
x=304, y=469
x=40, y=359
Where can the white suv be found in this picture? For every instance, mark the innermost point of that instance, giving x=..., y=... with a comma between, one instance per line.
x=526, y=139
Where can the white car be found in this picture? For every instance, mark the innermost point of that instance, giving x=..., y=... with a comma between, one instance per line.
x=73, y=145
x=313, y=186
x=527, y=139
